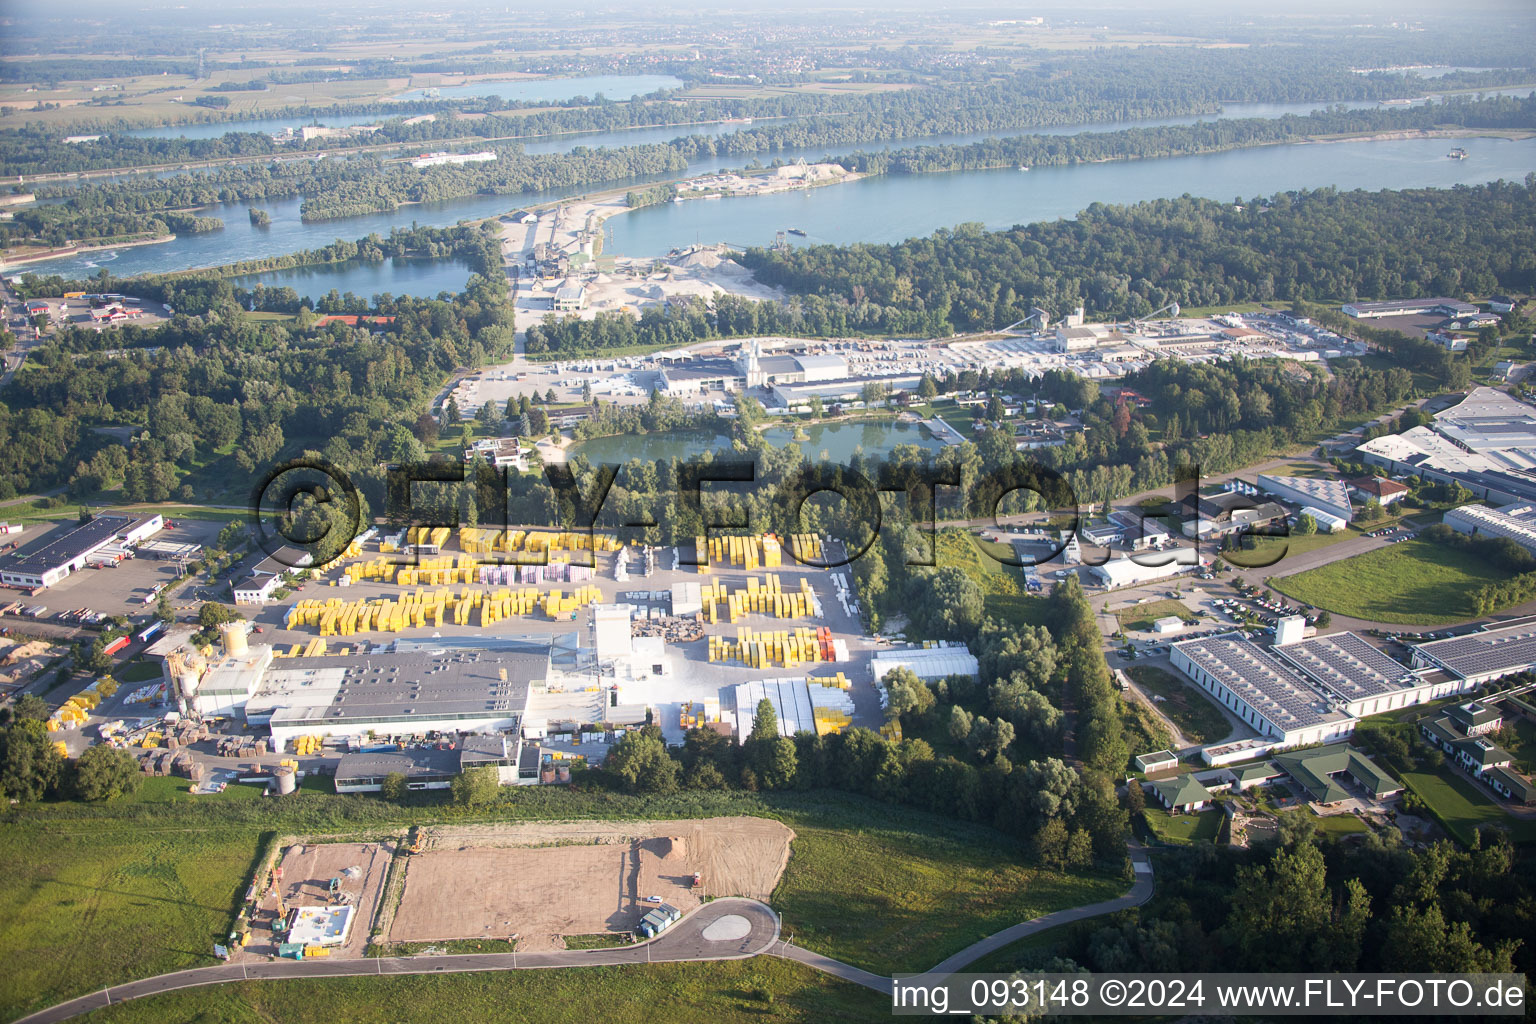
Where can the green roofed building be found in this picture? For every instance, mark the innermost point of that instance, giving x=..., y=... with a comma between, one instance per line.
x=1317, y=771
x=1182, y=794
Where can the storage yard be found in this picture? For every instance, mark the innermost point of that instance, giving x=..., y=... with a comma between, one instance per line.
x=542, y=882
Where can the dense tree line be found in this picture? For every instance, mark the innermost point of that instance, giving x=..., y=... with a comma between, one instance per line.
x=1130, y=260
x=1062, y=88
x=1180, y=140
x=1070, y=817
x=211, y=378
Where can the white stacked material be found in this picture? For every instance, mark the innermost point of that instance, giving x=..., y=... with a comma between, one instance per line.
x=839, y=650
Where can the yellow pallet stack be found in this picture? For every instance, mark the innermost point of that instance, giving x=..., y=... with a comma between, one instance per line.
x=806, y=546
x=773, y=553
x=837, y=682
x=373, y=569
x=757, y=649
x=830, y=720
x=701, y=553
x=306, y=745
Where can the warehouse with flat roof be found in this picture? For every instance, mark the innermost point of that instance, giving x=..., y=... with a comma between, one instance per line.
x=386, y=694
x=69, y=548
x=1267, y=693
x=1324, y=493
x=1482, y=657
x=1361, y=678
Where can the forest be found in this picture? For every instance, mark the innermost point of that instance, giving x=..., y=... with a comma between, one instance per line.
x=1118, y=261
x=212, y=394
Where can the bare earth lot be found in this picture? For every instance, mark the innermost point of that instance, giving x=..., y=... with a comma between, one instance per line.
x=494, y=881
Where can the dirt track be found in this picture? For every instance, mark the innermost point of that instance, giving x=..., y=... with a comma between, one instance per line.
x=552, y=879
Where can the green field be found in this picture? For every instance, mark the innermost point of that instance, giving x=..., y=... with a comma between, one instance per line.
x=890, y=899
x=1341, y=825
x=1462, y=805
x=1413, y=583
x=1141, y=616
x=98, y=895
x=1197, y=718
x=723, y=992
x=1184, y=829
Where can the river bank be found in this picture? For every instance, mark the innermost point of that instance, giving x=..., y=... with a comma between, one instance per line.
x=8, y=261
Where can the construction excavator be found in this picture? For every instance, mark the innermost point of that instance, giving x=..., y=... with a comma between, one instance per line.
x=413, y=840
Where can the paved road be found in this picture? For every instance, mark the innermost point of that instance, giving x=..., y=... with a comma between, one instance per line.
x=724, y=929
x=754, y=932
x=1139, y=893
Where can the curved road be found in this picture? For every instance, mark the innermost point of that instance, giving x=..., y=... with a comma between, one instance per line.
x=730, y=928
x=689, y=939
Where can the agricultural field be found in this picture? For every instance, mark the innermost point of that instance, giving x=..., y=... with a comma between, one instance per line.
x=1197, y=717
x=1413, y=583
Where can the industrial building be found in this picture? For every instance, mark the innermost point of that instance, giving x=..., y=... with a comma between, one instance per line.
x=1322, y=493
x=1267, y=693
x=70, y=548
x=1439, y=306
x=460, y=690
x=211, y=684
x=930, y=664
x=1482, y=657
x=570, y=297
x=436, y=766
x=1513, y=522
x=799, y=705
x=1360, y=678
x=1126, y=571
x=1486, y=443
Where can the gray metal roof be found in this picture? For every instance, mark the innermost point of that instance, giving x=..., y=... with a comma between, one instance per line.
x=1270, y=686
x=67, y=543
x=1347, y=665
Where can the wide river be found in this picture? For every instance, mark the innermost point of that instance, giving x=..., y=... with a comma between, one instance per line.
x=880, y=209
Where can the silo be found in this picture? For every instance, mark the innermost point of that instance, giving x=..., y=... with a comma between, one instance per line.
x=287, y=780
x=236, y=641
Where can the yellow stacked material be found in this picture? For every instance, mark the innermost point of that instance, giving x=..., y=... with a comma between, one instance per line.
x=151, y=740
x=315, y=648
x=316, y=951
x=479, y=541
x=830, y=720
x=60, y=749
x=701, y=553
x=839, y=681
x=806, y=546
x=760, y=597
x=352, y=550
x=295, y=650
x=891, y=731
x=773, y=554
x=373, y=569
x=771, y=647
x=551, y=540
x=306, y=745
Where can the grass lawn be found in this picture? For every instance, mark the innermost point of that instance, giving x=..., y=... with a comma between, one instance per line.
x=1523, y=748
x=960, y=548
x=101, y=894
x=891, y=899
x=1199, y=719
x=1267, y=551
x=1413, y=583
x=1462, y=805
x=1185, y=829
x=1141, y=616
x=1341, y=825
x=723, y=992
x=137, y=672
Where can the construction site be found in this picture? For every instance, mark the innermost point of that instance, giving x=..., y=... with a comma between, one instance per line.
x=534, y=885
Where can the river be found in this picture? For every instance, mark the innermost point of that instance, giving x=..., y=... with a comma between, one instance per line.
x=881, y=209
x=547, y=90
